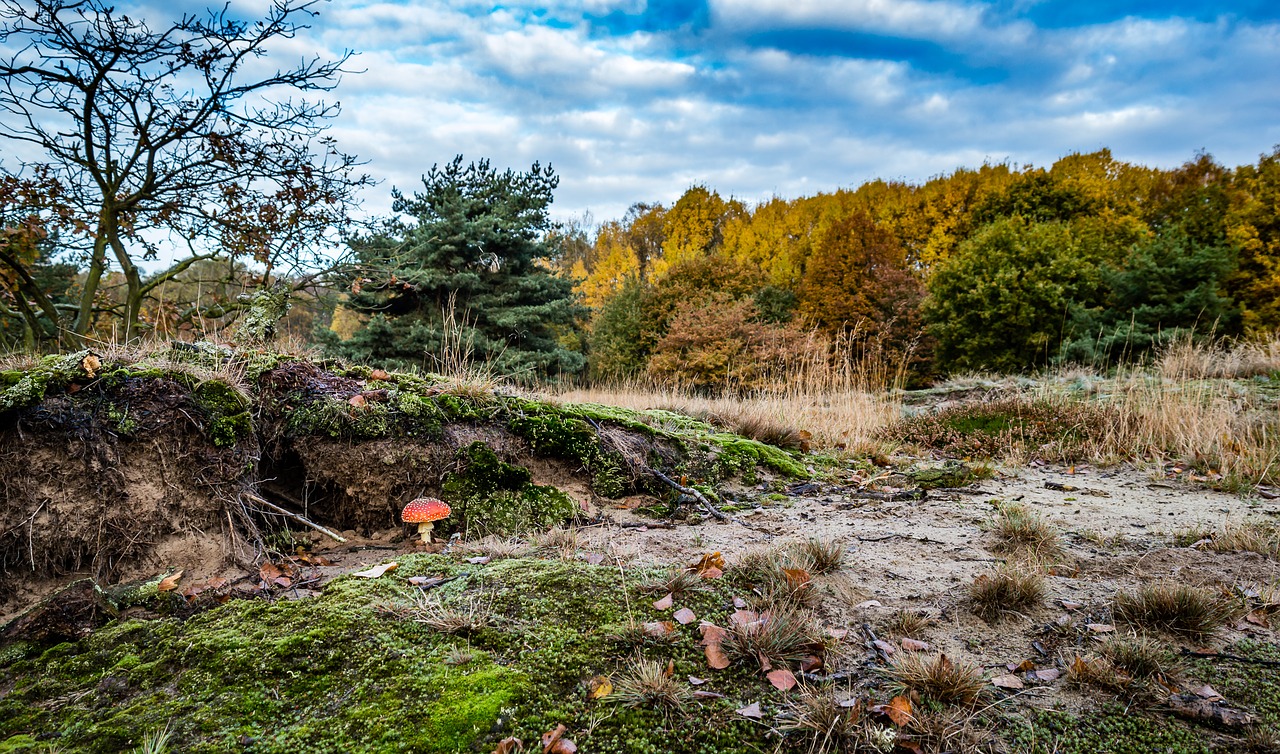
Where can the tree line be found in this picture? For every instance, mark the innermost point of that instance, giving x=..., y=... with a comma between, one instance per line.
x=145, y=143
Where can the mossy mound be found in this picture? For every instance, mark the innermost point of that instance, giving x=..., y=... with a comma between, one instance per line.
x=353, y=670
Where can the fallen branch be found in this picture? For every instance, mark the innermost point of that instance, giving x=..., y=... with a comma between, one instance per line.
x=691, y=492
x=891, y=497
x=295, y=517
x=1233, y=658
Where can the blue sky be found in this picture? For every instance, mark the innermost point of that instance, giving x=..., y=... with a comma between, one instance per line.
x=635, y=100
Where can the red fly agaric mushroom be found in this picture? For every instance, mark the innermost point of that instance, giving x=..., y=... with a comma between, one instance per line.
x=424, y=512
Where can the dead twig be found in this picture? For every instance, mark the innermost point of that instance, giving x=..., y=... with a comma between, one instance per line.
x=290, y=514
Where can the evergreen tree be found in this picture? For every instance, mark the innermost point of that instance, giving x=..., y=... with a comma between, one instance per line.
x=469, y=278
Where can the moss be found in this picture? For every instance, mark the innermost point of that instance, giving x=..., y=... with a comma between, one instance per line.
x=226, y=412
x=1255, y=686
x=738, y=455
x=489, y=495
x=1112, y=729
x=19, y=743
x=557, y=435
x=339, y=673
x=50, y=373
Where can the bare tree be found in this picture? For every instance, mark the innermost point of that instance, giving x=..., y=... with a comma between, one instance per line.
x=181, y=134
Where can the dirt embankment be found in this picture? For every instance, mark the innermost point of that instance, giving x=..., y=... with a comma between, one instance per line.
x=119, y=471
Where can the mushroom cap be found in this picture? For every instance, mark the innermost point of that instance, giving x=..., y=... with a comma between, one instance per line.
x=423, y=510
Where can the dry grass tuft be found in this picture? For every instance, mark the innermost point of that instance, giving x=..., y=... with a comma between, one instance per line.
x=909, y=624
x=562, y=543
x=938, y=678
x=648, y=684
x=817, y=556
x=1098, y=672
x=1262, y=537
x=779, y=638
x=762, y=429
x=816, y=716
x=465, y=616
x=498, y=547
x=1023, y=530
x=1140, y=657
x=676, y=582
x=1008, y=589
x=633, y=633
x=1175, y=608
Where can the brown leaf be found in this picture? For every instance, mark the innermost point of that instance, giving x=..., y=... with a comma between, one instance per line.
x=658, y=628
x=479, y=560
x=1101, y=628
x=739, y=603
x=1068, y=604
x=1048, y=674
x=593, y=558
x=600, y=686
x=751, y=710
x=91, y=364
x=425, y=580
x=169, y=583
x=554, y=742
x=1257, y=618
x=696, y=681
x=837, y=633
x=913, y=645
x=885, y=647
x=782, y=679
x=1010, y=681
x=797, y=578
x=716, y=657
x=1208, y=692
x=509, y=746
x=671, y=669
x=743, y=617
x=664, y=603
x=379, y=374
x=711, y=633
x=712, y=561
x=1024, y=666
x=707, y=695
x=358, y=401
x=899, y=710
x=810, y=664
x=685, y=616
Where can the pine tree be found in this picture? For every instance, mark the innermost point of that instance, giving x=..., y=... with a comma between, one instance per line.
x=470, y=276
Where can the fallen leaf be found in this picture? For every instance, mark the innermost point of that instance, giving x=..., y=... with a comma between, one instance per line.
x=867, y=604
x=711, y=633
x=711, y=573
x=379, y=374
x=696, y=681
x=1258, y=619
x=1008, y=682
x=885, y=647
x=169, y=583
x=658, y=628
x=376, y=571
x=716, y=658
x=664, y=603
x=671, y=669
x=1047, y=674
x=1024, y=666
x=914, y=645
x=739, y=603
x=707, y=695
x=899, y=710
x=708, y=562
x=782, y=679
x=810, y=664
x=1101, y=628
x=593, y=558
x=685, y=616
x=837, y=633
x=554, y=742
x=425, y=580
x=479, y=560
x=743, y=617
x=509, y=746
x=1069, y=605
x=797, y=578
x=91, y=364
x=1208, y=692
x=358, y=401
x=600, y=686
x=751, y=710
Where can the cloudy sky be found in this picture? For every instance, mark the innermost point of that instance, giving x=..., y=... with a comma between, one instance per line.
x=635, y=100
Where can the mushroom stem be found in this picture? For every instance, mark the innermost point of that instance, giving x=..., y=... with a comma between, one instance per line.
x=424, y=529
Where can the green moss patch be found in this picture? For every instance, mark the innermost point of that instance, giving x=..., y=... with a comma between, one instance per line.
x=490, y=496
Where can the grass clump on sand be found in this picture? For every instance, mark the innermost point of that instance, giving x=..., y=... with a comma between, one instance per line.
x=1175, y=608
